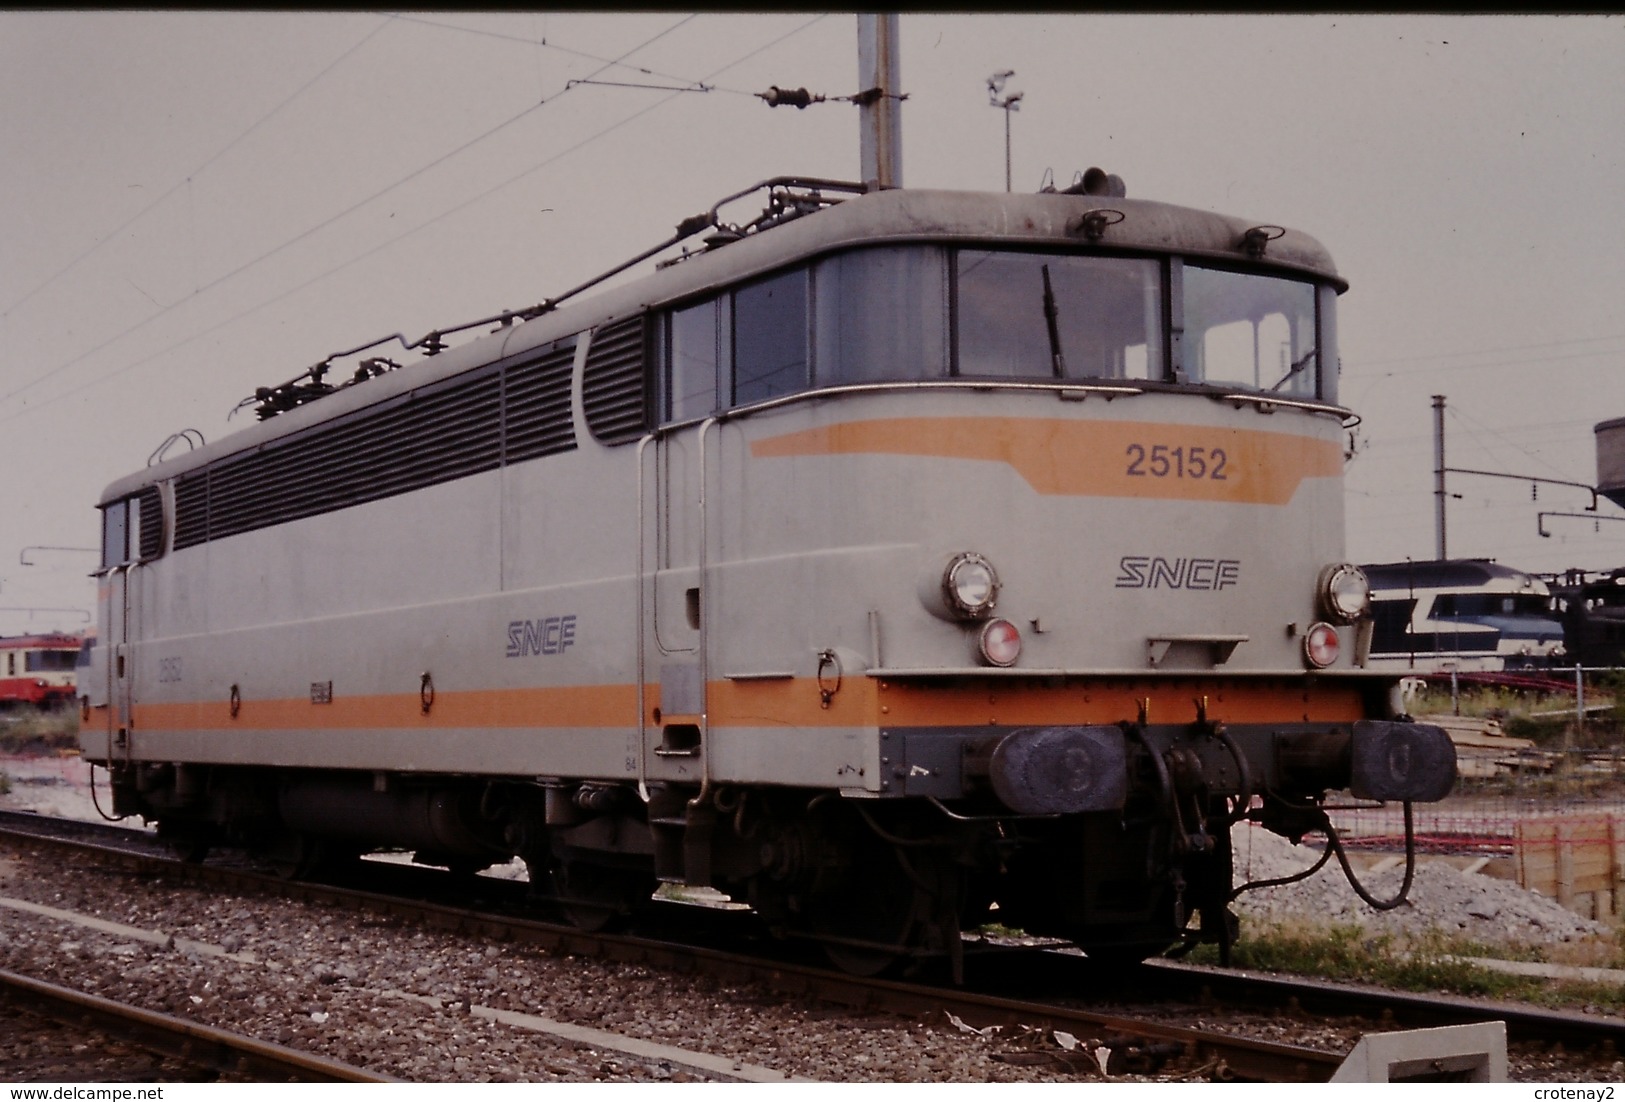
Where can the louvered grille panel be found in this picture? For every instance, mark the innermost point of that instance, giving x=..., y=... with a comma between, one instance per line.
x=614, y=384
x=536, y=416
x=434, y=434
x=429, y=440
x=192, y=510
x=152, y=523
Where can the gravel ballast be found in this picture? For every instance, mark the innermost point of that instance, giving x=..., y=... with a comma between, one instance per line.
x=1442, y=898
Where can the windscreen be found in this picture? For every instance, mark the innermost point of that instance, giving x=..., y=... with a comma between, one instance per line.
x=1062, y=317
x=1251, y=331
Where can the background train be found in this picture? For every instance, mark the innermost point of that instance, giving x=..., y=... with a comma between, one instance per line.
x=38, y=670
x=888, y=557
x=1592, y=607
x=1462, y=614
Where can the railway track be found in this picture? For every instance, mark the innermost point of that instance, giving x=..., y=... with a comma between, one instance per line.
x=191, y=1044
x=1028, y=990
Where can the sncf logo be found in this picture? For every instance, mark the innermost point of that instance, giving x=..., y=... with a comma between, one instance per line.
x=552, y=635
x=1156, y=572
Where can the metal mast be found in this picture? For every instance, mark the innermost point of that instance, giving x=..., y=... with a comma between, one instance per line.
x=1438, y=473
x=880, y=106
x=1009, y=103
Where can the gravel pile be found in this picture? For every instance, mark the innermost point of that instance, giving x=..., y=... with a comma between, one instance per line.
x=51, y=785
x=1484, y=908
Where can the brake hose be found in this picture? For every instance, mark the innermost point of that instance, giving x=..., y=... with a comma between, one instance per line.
x=1335, y=846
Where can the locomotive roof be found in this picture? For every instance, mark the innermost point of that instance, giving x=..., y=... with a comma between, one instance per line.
x=1052, y=219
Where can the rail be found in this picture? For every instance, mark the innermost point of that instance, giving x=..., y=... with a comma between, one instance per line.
x=1239, y=1057
x=196, y=1044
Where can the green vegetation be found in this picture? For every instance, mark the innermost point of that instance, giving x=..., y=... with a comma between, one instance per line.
x=26, y=731
x=1433, y=963
x=1544, y=718
x=1570, y=762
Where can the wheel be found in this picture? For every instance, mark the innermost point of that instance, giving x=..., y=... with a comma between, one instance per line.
x=591, y=896
x=1121, y=956
x=189, y=842
x=891, y=906
x=865, y=926
x=307, y=857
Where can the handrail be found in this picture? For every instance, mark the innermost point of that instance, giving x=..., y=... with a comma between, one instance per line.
x=705, y=628
x=638, y=635
x=1062, y=388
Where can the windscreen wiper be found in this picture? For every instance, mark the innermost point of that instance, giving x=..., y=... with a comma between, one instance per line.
x=1051, y=316
x=1297, y=366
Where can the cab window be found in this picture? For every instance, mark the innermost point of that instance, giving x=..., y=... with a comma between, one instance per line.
x=1037, y=316
x=1251, y=331
x=770, y=353
x=881, y=314
x=697, y=340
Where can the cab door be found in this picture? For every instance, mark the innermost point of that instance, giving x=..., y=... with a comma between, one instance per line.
x=691, y=343
x=130, y=526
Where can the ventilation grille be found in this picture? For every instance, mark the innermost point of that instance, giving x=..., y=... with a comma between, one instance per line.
x=537, y=406
x=437, y=433
x=612, y=387
x=152, y=523
x=192, y=508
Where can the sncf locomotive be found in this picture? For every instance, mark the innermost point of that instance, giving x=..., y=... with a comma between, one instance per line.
x=1463, y=614
x=885, y=560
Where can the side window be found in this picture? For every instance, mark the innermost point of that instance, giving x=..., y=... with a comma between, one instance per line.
x=770, y=355
x=881, y=314
x=116, y=533
x=696, y=350
x=1331, y=372
x=133, y=528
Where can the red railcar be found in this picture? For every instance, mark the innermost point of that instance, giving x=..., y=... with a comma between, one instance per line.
x=38, y=670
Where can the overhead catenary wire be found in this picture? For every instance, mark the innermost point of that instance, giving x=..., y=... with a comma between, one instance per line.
x=382, y=246
x=543, y=43
x=1472, y=424
x=187, y=180
x=313, y=230
x=1485, y=351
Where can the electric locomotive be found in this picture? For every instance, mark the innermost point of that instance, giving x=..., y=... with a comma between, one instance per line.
x=1463, y=614
x=884, y=560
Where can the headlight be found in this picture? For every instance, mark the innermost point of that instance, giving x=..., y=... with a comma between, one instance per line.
x=1320, y=645
x=970, y=586
x=999, y=643
x=1345, y=593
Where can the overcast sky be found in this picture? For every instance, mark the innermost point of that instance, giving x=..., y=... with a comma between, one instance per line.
x=196, y=204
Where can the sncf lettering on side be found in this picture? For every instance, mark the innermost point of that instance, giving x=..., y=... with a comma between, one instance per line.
x=549, y=635
x=1157, y=572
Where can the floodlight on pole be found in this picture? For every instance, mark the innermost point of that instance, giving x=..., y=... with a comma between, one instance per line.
x=1008, y=102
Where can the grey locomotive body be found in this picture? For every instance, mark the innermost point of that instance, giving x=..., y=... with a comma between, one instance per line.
x=896, y=556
